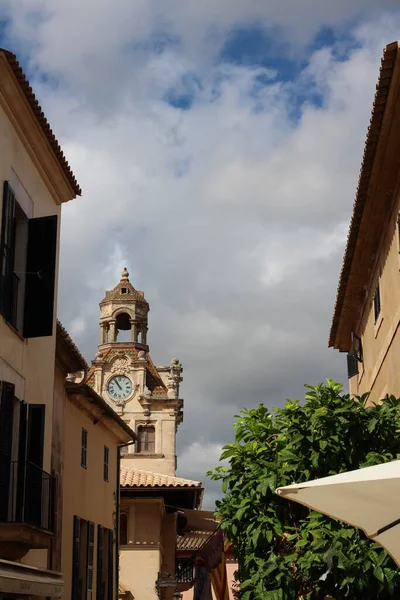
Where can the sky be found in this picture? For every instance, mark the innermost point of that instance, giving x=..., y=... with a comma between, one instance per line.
x=218, y=146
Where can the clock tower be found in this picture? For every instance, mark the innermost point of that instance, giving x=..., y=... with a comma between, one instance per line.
x=123, y=374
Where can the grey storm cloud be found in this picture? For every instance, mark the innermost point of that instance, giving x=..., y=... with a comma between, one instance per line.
x=232, y=216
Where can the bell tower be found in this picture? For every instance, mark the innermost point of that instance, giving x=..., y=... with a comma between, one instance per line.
x=123, y=309
x=124, y=375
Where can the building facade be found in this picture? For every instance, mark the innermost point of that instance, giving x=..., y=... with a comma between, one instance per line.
x=367, y=312
x=87, y=439
x=36, y=180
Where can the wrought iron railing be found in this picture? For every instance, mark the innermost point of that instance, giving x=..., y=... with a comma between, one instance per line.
x=184, y=570
x=30, y=497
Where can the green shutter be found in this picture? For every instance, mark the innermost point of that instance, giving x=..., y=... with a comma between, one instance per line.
x=110, y=560
x=100, y=550
x=7, y=392
x=40, y=277
x=7, y=243
x=76, y=549
x=90, y=560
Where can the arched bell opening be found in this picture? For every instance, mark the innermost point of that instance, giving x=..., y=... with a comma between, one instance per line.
x=123, y=328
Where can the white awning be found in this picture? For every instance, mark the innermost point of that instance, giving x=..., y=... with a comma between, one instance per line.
x=16, y=578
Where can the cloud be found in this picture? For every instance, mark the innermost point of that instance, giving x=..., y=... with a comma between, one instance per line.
x=225, y=187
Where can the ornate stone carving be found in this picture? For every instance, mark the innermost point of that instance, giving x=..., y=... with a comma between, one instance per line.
x=121, y=366
x=174, y=378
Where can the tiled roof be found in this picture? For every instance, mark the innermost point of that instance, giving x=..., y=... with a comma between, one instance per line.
x=132, y=477
x=192, y=541
x=124, y=290
x=37, y=110
x=371, y=143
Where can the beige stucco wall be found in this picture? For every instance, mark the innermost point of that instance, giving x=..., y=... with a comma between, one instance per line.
x=85, y=493
x=151, y=546
x=380, y=371
x=28, y=364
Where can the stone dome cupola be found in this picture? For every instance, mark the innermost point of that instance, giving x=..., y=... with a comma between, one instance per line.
x=124, y=308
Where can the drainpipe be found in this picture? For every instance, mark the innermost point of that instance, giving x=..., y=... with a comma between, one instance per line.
x=117, y=505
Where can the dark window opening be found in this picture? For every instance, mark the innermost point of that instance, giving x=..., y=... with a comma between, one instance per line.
x=105, y=467
x=146, y=438
x=27, y=268
x=84, y=440
x=377, y=303
x=123, y=529
x=123, y=290
x=123, y=328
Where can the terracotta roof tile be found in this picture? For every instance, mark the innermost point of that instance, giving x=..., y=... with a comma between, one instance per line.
x=132, y=477
x=44, y=124
x=192, y=541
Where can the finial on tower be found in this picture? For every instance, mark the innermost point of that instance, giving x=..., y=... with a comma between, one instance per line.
x=125, y=275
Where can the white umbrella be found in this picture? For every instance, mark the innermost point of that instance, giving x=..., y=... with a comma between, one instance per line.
x=367, y=498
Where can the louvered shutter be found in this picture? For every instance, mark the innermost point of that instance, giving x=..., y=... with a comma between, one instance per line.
x=35, y=449
x=21, y=475
x=40, y=278
x=76, y=550
x=110, y=561
x=352, y=365
x=90, y=560
x=100, y=560
x=7, y=243
x=7, y=392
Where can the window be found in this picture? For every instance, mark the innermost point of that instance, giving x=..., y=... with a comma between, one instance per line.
x=25, y=489
x=105, y=467
x=105, y=563
x=377, y=303
x=84, y=448
x=82, y=559
x=27, y=268
x=354, y=356
x=123, y=529
x=146, y=437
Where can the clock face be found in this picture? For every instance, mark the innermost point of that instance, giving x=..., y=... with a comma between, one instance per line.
x=119, y=387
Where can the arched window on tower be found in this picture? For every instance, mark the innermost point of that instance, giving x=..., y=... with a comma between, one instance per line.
x=123, y=529
x=146, y=439
x=123, y=328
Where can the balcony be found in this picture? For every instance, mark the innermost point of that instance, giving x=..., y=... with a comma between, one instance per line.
x=27, y=511
x=184, y=570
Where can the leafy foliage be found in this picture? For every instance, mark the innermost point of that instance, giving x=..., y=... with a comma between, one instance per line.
x=284, y=550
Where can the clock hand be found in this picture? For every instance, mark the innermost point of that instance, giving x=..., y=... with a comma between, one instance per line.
x=118, y=385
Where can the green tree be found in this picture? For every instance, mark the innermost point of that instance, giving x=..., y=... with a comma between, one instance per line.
x=284, y=550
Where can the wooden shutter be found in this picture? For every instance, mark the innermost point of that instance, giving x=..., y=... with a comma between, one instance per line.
x=90, y=560
x=100, y=550
x=36, y=423
x=352, y=365
x=7, y=250
x=76, y=551
x=106, y=457
x=84, y=438
x=22, y=434
x=35, y=449
x=110, y=565
x=7, y=392
x=40, y=278
x=377, y=303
